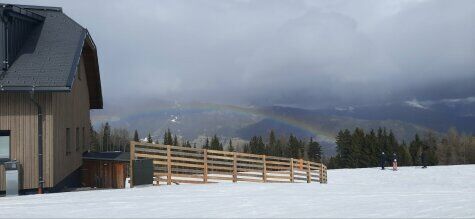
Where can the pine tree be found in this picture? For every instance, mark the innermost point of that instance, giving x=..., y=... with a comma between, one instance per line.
x=294, y=147
x=206, y=146
x=136, y=136
x=392, y=142
x=231, y=147
x=106, y=138
x=272, y=146
x=246, y=149
x=175, y=141
x=429, y=149
x=261, y=147
x=415, y=150
x=404, y=157
x=314, y=152
x=356, y=157
x=280, y=145
x=94, y=142
x=149, y=138
x=253, y=145
x=166, y=140
x=215, y=145
x=343, y=146
x=371, y=149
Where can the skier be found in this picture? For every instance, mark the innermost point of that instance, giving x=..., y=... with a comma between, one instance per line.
x=394, y=162
x=383, y=160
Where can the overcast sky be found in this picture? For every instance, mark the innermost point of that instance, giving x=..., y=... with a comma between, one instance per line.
x=287, y=52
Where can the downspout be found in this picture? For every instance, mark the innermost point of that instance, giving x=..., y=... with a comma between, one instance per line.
x=40, y=141
x=5, y=20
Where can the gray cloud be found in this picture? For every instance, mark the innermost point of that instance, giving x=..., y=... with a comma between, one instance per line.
x=305, y=53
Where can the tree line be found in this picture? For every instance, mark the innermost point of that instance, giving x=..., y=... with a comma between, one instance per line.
x=356, y=149
x=291, y=147
x=359, y=149
x=109, y=139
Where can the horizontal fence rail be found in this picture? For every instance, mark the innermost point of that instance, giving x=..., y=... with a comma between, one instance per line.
x=173, y=164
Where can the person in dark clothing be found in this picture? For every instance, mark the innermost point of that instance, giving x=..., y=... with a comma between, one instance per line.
x=383, y=160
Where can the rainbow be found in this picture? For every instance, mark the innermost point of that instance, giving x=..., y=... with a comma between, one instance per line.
x=297, y=123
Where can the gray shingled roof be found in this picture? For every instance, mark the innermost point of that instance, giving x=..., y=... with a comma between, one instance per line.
x=49, y=58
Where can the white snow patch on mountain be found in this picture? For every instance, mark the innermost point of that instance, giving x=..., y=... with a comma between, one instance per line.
x=442, y=192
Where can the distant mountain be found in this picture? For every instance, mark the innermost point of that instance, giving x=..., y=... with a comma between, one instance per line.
x=195, y=121
x=312, y=123
x=440, y=115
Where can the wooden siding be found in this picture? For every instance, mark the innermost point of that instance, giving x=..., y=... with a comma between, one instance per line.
x=70, y=110
x=19, y=115
x=104, y=174
x=61, y=110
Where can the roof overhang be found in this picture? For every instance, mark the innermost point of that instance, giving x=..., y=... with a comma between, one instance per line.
x=91, y=63
x=86, y=50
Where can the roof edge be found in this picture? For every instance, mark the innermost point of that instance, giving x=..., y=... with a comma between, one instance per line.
x=31, y=88
x=42, y=8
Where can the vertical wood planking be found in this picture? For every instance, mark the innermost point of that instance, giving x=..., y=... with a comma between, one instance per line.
x=19, y=116
x=132, y=158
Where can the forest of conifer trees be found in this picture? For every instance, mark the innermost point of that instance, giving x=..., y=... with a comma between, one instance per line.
x=354, y=149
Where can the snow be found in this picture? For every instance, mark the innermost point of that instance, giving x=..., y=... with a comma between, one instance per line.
x=444, y=191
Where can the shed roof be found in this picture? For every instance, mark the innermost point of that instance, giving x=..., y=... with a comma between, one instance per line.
x=109, y=156
x=49, y=57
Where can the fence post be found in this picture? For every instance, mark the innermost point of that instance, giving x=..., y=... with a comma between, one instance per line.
x=325, y=172
x=321, y=173
x=205, y=166
x=169, y=165
x=264, y=169
x=132, y=158
x=234, y=167
x=309, y=174
x=292, y=170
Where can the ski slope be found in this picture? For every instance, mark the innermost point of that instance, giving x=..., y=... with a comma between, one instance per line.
x=444, y=191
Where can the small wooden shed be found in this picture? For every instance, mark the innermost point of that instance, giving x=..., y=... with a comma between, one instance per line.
x=105, y=169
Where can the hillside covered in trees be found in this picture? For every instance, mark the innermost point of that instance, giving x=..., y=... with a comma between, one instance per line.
x=355, y=149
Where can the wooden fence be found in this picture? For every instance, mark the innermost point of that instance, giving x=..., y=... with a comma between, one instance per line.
x=173, y=164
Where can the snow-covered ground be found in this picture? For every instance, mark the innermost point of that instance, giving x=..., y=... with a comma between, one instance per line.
x=445, y=191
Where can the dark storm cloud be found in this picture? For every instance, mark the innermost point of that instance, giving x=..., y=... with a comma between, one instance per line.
x=305, y=53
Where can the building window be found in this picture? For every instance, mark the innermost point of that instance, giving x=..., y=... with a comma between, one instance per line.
x=83, y=138
x=77, y=139
x=4, y=145
x=68, y=141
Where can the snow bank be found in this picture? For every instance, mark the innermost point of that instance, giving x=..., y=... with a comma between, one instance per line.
x=445, y=191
